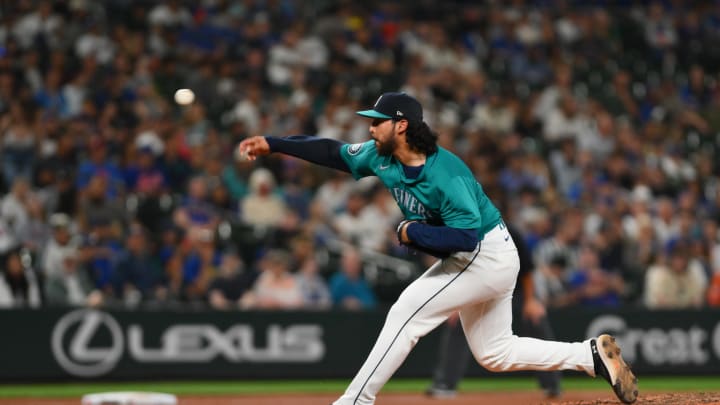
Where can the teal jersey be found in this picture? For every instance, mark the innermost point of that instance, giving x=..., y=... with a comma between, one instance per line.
x=445, y=192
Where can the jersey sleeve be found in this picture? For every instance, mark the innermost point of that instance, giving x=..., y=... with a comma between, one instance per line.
x=359, y=158
x=459, y=207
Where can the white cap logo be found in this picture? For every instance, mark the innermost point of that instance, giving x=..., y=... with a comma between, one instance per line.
x=378, y=101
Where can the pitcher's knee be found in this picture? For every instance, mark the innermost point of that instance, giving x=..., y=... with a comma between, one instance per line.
x=492, y=363
x=496, y=358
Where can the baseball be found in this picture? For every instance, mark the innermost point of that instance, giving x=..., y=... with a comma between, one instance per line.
x=184, y=96
x=241, y=156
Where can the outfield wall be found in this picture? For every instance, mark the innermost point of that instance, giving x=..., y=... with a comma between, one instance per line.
x=57, y=344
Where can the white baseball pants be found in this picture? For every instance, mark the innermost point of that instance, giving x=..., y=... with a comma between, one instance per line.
x=479, y=285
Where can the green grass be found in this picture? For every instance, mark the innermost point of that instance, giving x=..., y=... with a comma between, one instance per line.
x=59, y=390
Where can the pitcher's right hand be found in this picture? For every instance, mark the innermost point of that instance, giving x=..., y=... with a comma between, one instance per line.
x=252, y=147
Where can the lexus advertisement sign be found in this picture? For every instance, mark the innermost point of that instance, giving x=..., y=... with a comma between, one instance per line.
x=96, y=344
x=74, y=351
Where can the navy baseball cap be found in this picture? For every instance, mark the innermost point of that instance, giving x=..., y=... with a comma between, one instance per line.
x=395, y=106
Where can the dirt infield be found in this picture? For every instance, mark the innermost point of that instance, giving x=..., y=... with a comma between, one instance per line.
x=485, y=398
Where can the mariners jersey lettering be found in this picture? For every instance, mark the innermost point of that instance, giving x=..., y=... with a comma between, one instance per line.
x=445, y=192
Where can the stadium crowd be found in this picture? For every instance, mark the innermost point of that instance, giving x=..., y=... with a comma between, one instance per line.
x=595, y=127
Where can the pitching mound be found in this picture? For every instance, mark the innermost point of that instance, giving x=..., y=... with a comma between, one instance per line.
x=662, y=399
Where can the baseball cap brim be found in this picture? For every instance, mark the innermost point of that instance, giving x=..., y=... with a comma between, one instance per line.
x=373, y=114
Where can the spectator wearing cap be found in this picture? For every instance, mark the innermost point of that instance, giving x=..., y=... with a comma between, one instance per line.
x=65, y=282
x=275, y=288
x=677, y=282
x=145, y=177
x=262, y=207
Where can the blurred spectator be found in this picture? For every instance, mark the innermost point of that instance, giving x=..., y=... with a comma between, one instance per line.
x=496, y=115
x=333, y=193
x=36, y=231
x=564, y=121
x=565, y=163
x=659, y=28
x=550, y=96
x=232, y=281
x=193, y=265
x=677, y=283
x=351, y=225
x=14, y=207
x=380, y=214
x=97, y=206
x=552, y=287
x=348, y=288
x=138, y=275
x=65, y=282
x=313, y=286
x=640, y=251
x=713, y=293
x=563, y=243
x=596, y=286
x=235, y=176
x=19, y=285
x=172, y=14
x=99, y=164
x=195, y=211
x=598, y=139
x=146, y=177
x=18, y=143
x=275, y=287
x=665, y=220
x=99, y=252
x=262, y=207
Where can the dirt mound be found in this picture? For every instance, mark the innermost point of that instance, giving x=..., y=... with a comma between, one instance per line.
x=682, y=398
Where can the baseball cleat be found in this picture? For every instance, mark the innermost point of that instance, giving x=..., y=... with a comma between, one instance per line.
x=610, y=365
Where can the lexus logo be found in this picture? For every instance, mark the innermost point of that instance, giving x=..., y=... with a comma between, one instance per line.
x=71, y=345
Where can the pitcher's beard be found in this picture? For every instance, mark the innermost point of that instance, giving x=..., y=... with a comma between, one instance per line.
x=385, y=148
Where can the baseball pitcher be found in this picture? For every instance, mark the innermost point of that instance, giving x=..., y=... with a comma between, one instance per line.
x=447, y=214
